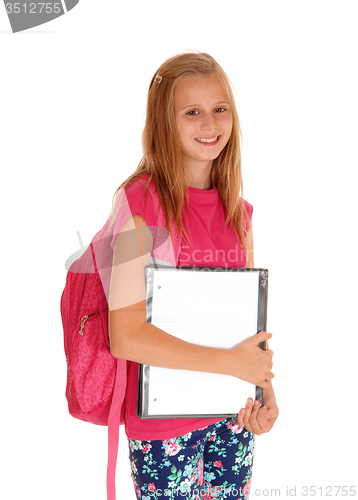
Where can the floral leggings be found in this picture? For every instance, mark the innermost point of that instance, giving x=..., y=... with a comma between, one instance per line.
x=207, y=464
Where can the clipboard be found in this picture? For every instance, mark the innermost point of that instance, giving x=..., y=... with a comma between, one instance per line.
x=212, y=306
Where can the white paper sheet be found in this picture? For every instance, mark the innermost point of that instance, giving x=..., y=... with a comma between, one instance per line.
x=217, y=309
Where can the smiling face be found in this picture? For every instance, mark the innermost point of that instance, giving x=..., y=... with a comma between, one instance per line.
x=203, y=119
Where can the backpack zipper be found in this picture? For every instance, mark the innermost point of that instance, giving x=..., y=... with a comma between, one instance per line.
x=84, y=319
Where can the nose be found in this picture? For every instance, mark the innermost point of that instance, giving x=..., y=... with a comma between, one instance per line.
x=209, y=122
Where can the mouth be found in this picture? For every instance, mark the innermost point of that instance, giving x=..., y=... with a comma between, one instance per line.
x=208, y=141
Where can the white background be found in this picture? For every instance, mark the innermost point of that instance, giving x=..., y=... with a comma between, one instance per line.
x=72, y=108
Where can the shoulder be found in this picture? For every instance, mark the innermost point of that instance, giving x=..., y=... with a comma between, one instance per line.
x=142, y=199
x=139, y=186
x=249, y=208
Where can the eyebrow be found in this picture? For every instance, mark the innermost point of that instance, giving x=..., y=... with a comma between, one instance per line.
x=198, y=105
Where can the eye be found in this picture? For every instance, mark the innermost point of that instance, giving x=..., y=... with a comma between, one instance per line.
x=220, y=110
x=192, y=112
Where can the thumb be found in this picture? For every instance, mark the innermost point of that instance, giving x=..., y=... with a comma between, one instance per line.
x=262, y=336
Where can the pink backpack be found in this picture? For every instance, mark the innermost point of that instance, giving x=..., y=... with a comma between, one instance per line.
x=91, y=368
x=96, y=380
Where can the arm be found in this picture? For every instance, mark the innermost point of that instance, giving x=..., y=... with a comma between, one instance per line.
x=252, y=417
x=132, y=338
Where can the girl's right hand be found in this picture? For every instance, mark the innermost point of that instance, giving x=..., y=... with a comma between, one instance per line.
x=252, y=363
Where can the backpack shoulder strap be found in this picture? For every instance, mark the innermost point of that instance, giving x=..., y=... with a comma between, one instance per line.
x=175, y=239
x=114, y=421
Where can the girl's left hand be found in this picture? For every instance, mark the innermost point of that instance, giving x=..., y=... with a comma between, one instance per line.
x=258, y=420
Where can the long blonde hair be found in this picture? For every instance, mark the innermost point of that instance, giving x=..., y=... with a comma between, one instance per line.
x=162, y=158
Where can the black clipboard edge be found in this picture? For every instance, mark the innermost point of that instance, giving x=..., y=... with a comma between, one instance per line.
x=262, y=320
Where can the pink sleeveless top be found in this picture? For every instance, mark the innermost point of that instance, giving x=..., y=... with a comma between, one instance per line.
x=211, y=246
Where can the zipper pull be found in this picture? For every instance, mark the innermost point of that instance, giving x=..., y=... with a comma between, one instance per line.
x=83, y=321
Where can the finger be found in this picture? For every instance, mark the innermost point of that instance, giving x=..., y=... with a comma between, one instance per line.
x=263, y=422
x=261, y=337
x=254, y=424
x=240, y=417
x=248, y=409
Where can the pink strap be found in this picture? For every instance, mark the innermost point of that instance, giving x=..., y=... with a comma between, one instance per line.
x=94, y=258
x=113, y=427
x=176, y=239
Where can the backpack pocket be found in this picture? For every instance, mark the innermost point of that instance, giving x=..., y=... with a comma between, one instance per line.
x=93, y=366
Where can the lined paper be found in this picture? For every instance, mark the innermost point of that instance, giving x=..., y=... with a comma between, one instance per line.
x=217, y=309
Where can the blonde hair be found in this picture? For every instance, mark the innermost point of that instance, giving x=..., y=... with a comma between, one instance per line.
x=162, y=158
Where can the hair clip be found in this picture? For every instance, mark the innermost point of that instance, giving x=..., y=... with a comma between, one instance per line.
x=158, y=79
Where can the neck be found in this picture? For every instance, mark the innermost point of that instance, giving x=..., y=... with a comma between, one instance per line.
x=198, y=178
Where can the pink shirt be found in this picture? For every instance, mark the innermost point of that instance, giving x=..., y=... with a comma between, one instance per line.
x=210, y=246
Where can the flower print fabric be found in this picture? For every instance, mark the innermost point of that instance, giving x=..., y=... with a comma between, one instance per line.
x=207, y=464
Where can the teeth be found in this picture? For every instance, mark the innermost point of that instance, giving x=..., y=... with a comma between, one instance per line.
x=208, y=140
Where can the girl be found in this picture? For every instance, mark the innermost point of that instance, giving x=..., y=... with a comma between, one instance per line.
x=191, y=174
